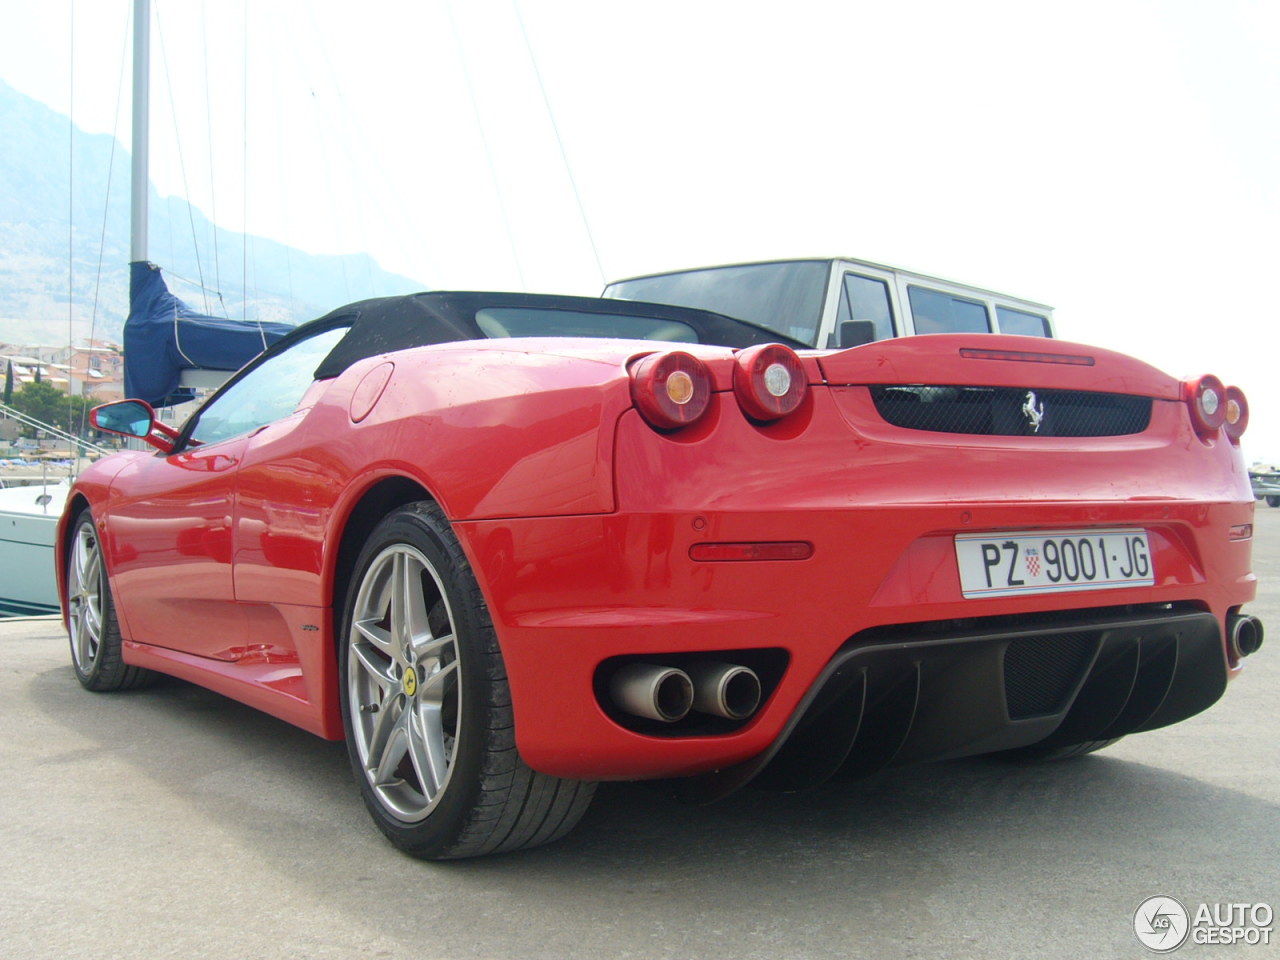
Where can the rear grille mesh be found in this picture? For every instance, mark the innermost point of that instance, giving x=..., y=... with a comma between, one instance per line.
x=1011, y=411
x=1040, y=672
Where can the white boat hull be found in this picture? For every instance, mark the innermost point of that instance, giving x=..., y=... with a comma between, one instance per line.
x=28, y=531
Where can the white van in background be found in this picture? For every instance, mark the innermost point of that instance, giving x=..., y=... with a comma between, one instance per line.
x=839, y=302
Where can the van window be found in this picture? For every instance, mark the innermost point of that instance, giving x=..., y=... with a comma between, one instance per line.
x=938, y=312
x=1021, y=322
x=866, y=298
x=786, y=296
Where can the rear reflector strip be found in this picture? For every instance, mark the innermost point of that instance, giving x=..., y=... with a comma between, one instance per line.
x=1072, y=359
x=730, y=552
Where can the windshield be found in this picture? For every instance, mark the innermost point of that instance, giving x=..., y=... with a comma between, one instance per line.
x=785, y=297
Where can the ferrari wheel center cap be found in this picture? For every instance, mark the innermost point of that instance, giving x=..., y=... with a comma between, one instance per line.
x=410, y=681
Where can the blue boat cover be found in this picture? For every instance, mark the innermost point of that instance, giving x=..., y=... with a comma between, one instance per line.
x=164, y=336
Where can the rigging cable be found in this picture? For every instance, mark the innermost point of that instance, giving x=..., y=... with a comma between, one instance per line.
x=71, y=205
x=345, y=138
x=213, y=196
x=71, y=134
x=182, y=164
x=484, y=139
x=322, y=129
x=559, y=140
x=281, y=188
x=244, y=157
x=244, y=196
x=349, y=129
x=106, y=207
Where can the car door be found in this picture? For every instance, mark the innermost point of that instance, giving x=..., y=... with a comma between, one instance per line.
x=173, y=519
x=171, y=533
x=284, y=485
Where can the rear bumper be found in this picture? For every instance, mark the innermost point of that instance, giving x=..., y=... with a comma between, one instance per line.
x=881, y=507
x=567, y=594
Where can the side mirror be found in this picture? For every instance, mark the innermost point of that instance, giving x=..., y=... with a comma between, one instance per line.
x=855, y=333
x=134, y=418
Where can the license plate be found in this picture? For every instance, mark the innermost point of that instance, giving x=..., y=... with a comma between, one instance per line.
x=1052, y=561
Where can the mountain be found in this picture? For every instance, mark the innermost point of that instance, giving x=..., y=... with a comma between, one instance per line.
x=35, y=197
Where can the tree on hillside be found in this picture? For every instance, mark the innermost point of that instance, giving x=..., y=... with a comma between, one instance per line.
x=42, y=401
x=45, y=402
x=8, y=383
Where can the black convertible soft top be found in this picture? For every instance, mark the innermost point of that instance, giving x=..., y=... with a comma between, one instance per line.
x=385, y=324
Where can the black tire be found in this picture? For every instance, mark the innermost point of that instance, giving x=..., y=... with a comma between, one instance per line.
x=1037, y=754
x=92, y=625
x=426, y=707
x=1273, y=500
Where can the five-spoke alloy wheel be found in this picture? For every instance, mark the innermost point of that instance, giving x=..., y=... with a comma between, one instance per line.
x=426, y=707
x=402, y=681
x=91, y=615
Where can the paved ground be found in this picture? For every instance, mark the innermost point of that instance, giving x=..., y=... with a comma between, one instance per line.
x=175, y=823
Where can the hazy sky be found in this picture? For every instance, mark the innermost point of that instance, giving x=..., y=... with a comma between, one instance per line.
x=1115, y=159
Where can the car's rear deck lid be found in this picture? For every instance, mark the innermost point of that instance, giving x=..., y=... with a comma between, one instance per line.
x=996, y=360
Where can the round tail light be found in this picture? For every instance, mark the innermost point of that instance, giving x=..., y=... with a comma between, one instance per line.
x=670, y=390
x=1207, y=398
x=769, y=381
x=1236, y=418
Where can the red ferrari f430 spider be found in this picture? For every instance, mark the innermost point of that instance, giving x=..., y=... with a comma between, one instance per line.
x=507, y=546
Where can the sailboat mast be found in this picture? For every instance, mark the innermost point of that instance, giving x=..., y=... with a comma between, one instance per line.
x=141, y=120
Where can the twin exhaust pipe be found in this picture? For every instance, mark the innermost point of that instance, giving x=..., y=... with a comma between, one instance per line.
x=1244, y=634
x=668, y=693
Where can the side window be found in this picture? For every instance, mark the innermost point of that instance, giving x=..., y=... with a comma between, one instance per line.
x=938, y=312
x=865, y=298
x=1021, y=322
x=268, y=392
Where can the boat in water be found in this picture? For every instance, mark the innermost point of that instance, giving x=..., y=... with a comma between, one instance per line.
x=30, y=505
x=28, y=529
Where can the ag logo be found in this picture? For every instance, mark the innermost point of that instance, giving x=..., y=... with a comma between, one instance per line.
x=1161, y=924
